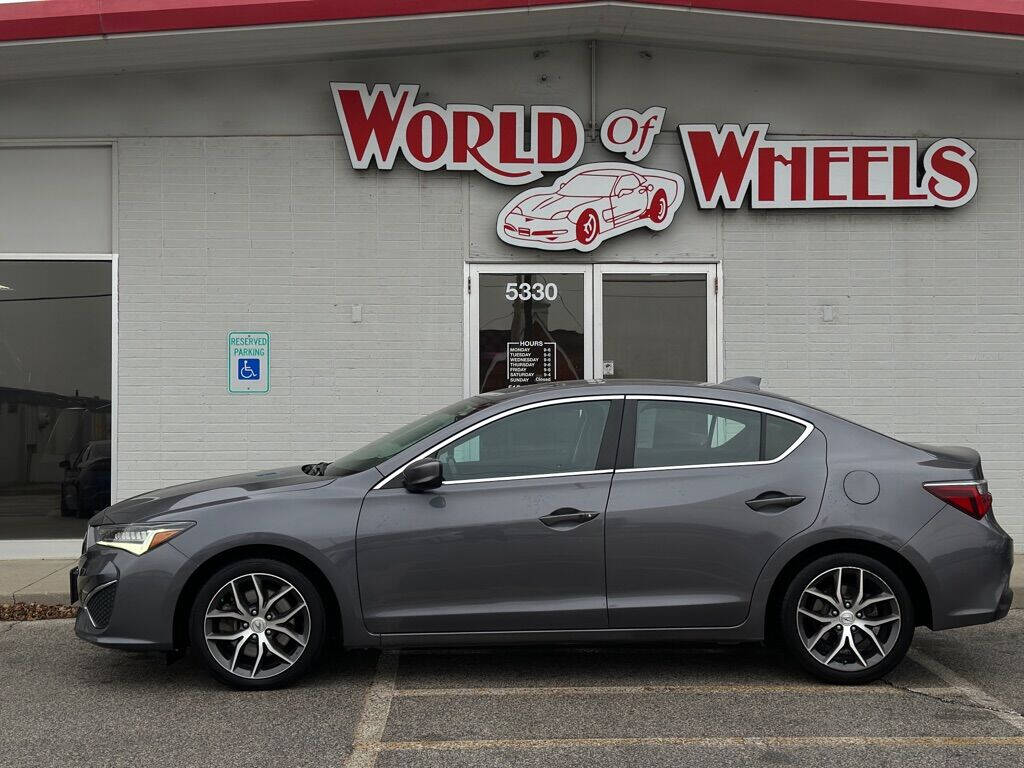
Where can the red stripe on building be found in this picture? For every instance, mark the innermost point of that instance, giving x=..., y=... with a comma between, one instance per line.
x=68, y=18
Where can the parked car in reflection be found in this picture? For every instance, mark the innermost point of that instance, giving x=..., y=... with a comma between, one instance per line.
x=587, y=512
x=85, y=488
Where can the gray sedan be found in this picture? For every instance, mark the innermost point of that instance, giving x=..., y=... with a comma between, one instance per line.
x=569, y=513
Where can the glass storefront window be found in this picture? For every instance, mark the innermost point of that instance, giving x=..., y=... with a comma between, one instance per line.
x=55, y=410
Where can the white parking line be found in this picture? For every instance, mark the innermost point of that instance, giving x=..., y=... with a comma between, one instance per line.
x=776, y=742
x=610, y=690
x=374, y=717
x=972, y=693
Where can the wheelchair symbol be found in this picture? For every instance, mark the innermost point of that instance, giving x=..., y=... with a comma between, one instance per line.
x=248, y=368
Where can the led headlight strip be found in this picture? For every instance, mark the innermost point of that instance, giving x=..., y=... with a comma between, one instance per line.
x=139, y=538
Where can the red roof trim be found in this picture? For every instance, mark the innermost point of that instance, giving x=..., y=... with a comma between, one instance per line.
x=37, y=19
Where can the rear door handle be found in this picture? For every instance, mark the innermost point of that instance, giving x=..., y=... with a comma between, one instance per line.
x=766, y=501
x=566, y=518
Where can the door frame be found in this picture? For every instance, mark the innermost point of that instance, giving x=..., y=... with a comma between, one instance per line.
x=593, y=323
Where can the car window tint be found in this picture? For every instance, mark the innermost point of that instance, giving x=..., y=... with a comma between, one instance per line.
x=779, y=435
x=673, y=434
x=565, y=437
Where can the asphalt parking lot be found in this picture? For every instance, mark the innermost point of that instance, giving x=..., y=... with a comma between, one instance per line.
x=957, y=701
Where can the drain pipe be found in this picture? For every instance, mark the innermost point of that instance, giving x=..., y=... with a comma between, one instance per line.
x=593, y=91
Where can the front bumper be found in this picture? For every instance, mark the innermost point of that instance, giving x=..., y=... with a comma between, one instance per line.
x=539, y=230
x=128, y=602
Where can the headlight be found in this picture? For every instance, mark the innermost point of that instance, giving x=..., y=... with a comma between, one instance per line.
x=518, y=210
x=561, y=215
x=138, y=538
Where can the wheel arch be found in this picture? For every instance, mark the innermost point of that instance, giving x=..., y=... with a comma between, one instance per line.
x=295, y=559
x=890, y=557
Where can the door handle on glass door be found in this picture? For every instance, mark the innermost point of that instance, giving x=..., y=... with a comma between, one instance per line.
x=566, y=518
x=766, y=501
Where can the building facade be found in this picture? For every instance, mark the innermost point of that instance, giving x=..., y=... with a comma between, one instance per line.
x=162, y=191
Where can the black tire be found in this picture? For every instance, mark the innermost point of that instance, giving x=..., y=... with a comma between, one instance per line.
x=271, y=577
x=855, y=656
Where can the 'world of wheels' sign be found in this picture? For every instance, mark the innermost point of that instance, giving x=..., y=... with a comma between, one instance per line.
x=729, y=165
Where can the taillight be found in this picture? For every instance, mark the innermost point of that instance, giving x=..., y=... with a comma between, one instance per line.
x=969, y=496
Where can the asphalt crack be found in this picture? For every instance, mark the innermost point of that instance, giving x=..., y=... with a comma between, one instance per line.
x=961, y=700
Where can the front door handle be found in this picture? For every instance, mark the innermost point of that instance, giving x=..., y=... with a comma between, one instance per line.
x=567, y=518
x=766, y=501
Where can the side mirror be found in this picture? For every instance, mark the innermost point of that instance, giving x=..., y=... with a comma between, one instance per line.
x=422, y=476
x=65, y=464
x=649, y=188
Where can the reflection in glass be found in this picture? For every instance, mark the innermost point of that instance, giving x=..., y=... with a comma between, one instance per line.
x=654, y=326
x=55, y=336
x=531, y=328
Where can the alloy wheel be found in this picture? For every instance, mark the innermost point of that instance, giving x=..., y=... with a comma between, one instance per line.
x=257, y=625
x=848, y=618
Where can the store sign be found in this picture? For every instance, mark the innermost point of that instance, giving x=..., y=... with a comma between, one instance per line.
x=248, y=362
x=729, y=165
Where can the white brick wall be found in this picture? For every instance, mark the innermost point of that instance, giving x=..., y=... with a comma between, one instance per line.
x=928, y=338
x=280, y=234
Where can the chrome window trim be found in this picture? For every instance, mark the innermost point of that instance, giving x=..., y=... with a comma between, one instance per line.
x=529, y=477
x=808, y=428
x=490, y=420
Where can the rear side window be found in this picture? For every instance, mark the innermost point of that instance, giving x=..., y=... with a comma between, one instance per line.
x=673, y=433
x=779, y=435
x=565, y=437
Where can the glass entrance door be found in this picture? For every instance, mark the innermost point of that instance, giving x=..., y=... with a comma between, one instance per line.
x=655, y=321
x=529, y=325
x=537, y=323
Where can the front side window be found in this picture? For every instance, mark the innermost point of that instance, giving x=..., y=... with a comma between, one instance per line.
x=679, y=433
x=383, y=448
x=564, y=437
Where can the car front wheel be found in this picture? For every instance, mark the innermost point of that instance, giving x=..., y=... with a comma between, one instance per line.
x=257, y=623
x=847, y=618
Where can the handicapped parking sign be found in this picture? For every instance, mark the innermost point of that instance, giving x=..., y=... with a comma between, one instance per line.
x=248, y=362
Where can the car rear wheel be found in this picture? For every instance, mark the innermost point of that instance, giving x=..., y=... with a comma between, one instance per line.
x=257, y=623
x=659, y=208
x=587, y=227
x=847, y=618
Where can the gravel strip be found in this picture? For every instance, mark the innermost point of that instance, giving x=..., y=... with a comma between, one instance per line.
x=36, y=611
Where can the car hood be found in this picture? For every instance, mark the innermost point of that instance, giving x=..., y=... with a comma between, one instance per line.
x=207, y=493
x=546, y=206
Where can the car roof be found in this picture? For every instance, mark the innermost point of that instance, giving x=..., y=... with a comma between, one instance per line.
x=745, y=385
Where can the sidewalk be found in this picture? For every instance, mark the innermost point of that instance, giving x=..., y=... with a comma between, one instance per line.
x=35, y=581
x=46, y=581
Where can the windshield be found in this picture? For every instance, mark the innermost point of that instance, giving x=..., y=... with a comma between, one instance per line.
x=383, y=448
x=588, y=185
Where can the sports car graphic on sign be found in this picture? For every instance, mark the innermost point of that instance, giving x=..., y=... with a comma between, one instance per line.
x=590, y=204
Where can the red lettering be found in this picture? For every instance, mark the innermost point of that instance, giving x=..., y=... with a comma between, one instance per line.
x=822, y=159
x=955, y=171
x=729, y=166
x=862, y=159
x=767, y=159
x=904, y=175
x=426, y=121
x=463, y=147
x=544, y=141
x=610, y=133
x=379, y=125
x=509, y=142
